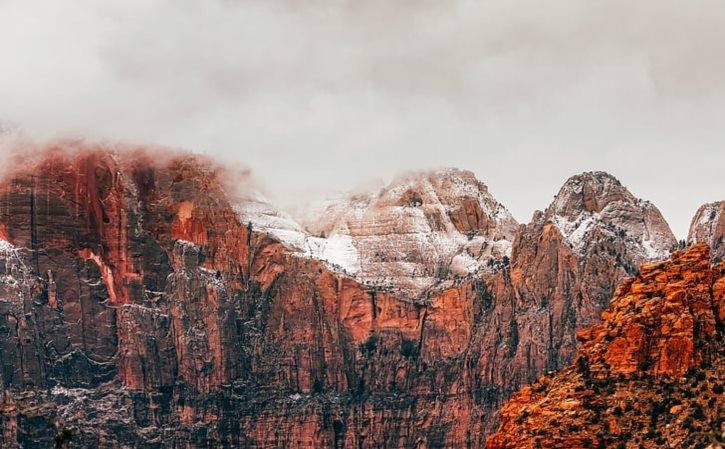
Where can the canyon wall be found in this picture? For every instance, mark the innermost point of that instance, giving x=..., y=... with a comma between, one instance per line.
x=649, y=376
x=140, y=307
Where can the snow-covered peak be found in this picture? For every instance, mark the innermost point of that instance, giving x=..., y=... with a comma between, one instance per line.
x=454, y=181
x=589, y=191
x=595, y=205
x=421, y=228
x=444, y=185
x=256, y=209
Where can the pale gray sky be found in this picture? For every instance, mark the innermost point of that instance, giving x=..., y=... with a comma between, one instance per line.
x=320, y=96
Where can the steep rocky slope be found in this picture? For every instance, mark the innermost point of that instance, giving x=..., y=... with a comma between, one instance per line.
x=146, y=303
x=565, y=266
x=708, y=226
x=651, y=375
x=138, y=309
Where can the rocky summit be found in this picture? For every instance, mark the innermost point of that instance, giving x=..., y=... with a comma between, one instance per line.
x=651, y=375
x=422, y=228
x=151, y=298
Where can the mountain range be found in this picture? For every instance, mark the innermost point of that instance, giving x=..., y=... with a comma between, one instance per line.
x=151, y=298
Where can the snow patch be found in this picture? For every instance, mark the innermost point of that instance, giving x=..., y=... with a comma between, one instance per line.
x=338, y=249
x=651, y=251
x=575, y=232
x=6, y=246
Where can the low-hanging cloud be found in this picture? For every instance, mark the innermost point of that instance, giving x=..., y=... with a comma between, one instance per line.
x=318, y=96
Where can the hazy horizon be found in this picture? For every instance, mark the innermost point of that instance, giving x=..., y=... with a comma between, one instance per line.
x=323, y=97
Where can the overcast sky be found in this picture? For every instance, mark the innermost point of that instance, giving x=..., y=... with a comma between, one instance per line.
x=321, y=96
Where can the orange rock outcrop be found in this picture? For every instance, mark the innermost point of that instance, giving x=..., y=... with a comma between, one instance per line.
x=651, y=375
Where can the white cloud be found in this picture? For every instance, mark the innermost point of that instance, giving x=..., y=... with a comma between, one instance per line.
x=320, y=95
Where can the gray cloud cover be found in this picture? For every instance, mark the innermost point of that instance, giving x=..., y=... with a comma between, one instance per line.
x=319, y=96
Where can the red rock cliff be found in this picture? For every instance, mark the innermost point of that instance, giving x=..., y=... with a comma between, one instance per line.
x=137, y=308
x=650, y=375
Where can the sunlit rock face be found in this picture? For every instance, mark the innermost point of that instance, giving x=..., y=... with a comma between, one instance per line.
x=651, y=374
x=147, y=300
x=708, y=226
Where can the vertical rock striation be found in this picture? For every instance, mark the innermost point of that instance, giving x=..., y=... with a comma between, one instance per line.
x=143, y=305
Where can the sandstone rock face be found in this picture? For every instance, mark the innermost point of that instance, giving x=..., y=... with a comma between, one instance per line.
x=708, y=226
x=420, y=229
x=564, y=268
x=145, y=303
x=650, y=375
x=140, y=311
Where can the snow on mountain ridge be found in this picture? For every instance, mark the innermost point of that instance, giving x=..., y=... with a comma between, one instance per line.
x=425, y=227
x=707, y=215
x=598, y=201
x=337, y=250
x=422, y=228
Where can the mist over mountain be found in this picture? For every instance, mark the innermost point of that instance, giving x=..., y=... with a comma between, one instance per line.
x=303, y=92
x=345, y=224
x=154, y=297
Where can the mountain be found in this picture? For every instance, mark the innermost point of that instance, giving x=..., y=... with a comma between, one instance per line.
x=149, y=299
x=565, y=265
x=421, y=229
x=708, y=226
x=595, y=206
x=651, y=375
